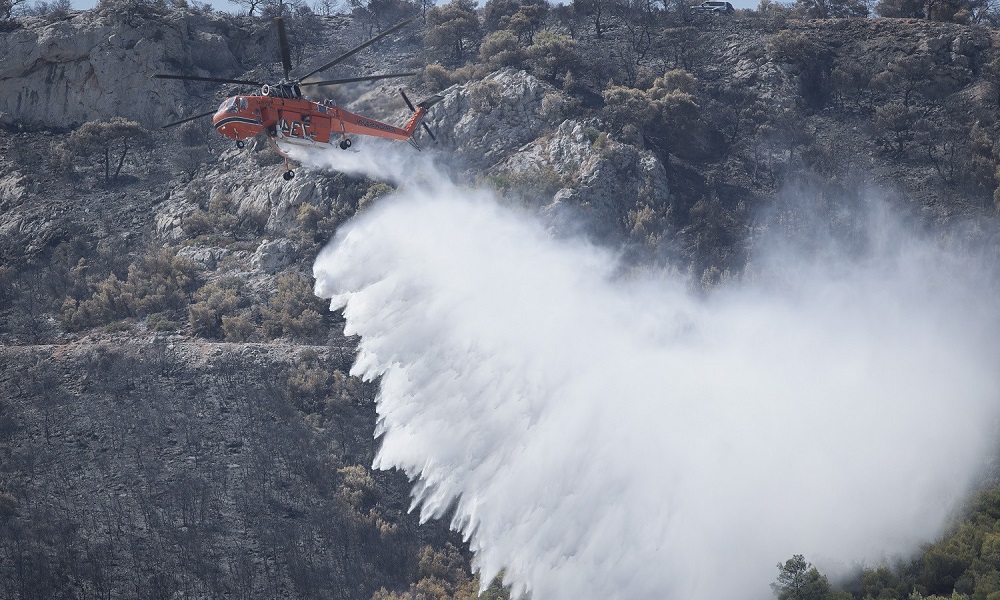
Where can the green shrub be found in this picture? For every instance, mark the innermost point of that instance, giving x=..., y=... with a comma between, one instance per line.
x=552, y=55
x=436, y=76
x=293, y=309
x=161, y=322
x=453, y=30
x=213, y=302
x=132, y=12
x=238, y=328
x=501, y=49
x=222, y=215
x=541, y=182
x=309, y=378
x=627, y=106
x=376, y=191
x=664, y=113
x=158, y=282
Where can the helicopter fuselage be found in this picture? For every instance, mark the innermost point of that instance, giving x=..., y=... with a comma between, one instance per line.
x=301, y=121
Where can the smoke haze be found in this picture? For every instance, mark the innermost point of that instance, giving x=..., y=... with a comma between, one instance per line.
x=603, y=432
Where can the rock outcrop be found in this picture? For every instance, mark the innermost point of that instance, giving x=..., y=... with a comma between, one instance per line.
x=483, y=122
x=62, y=74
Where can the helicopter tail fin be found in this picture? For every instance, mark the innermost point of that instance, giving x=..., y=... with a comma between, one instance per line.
x=429, y=102
x=418, y=114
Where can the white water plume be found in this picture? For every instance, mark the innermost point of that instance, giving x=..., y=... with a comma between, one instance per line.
x=606, y=436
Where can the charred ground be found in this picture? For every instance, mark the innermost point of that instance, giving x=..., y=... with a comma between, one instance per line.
x=177, y=417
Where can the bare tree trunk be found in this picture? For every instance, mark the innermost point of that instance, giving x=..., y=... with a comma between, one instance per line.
x=121, y=160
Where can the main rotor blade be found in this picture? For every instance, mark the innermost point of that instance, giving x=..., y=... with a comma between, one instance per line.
x=429, y=132
x=211, y=112
x=354, y=79
x=354, y=51
x=407, y=100
x=286, y=57
x=214, y=79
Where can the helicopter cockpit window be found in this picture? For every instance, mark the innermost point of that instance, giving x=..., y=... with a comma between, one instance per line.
x=243, y=103
x=233, y=106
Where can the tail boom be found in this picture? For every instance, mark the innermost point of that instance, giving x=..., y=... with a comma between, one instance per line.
x=356, y=124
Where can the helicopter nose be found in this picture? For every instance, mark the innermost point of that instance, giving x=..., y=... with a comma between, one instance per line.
x=237, y=125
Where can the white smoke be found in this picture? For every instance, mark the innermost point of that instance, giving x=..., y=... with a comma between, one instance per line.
x=610, y=436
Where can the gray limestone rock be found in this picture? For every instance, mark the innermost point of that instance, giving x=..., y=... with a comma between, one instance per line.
x=206, y=258
x=273, y=255
x=65, y=73
x=483, y=122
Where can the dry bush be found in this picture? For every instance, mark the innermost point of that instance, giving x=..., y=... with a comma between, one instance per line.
x=158, y=282
x=293, y=309
x=212, y=303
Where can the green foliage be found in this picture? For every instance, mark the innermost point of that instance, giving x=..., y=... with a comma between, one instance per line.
x=50, y=11
x=158, y=282
x=293, y=309
x=161, y=322
x=358, y=494
x=501, y=49
x=485, y=94
x=442, y=575
x=436, y=76
x=627, y=106
x=320, y=391
x=212, y=303
x=110, y=143
x=375, y=191
x=523, y=18
x=552, y=54
x=894, y=125
x=674, y=81
x=664, y=113
x=540, y=182
x=964, y=563
x=852, y=81
x=309, y=380
x=238, y=328
x=380, y=14
x=603, y=15
x=881, y=583
x=958, y=11
x=222, y=215
x=453, y=30
x=799, y=580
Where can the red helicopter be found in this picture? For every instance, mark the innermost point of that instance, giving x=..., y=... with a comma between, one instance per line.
x=286, y=116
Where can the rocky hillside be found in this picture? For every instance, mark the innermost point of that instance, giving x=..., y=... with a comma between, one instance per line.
x=177, y=417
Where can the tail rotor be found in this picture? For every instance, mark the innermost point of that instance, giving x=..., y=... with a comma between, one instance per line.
x=424, y=105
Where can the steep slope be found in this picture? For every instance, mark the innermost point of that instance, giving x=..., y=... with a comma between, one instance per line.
x=179, y=419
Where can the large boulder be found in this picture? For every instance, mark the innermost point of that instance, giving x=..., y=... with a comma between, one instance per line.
x=483, y=122
x=620, y=190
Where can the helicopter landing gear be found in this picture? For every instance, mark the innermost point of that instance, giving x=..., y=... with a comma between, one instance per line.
x=345, y=143
x=288, y=175
x=240, y=144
